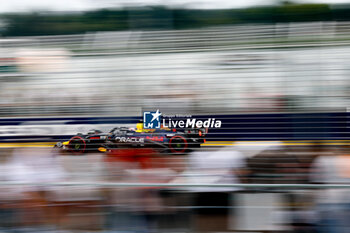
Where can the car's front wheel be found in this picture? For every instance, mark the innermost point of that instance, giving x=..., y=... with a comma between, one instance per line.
x=178, y=144
x=77, y=145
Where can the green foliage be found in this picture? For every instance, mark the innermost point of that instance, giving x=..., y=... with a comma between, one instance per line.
x=148, y=18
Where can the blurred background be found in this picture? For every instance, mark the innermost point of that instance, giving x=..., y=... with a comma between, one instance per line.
x=115, y=61
x=276, y=73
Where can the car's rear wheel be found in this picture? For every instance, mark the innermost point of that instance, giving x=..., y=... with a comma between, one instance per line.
x=77, y=145
x=178, y=144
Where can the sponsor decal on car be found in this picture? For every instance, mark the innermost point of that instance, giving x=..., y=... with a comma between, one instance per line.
x=129, y=139
x=155, y=138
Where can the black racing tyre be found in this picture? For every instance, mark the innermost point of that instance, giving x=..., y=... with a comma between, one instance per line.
x=77, y=145
x=178, y=144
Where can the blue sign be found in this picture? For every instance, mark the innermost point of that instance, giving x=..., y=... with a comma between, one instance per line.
x=151, y=120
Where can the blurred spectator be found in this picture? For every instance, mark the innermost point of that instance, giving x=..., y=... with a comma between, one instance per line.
x=281, y=164
x=333, y=205
x=26, y=205
x=214, y=167
x=9, y=196
x=36, y=165
x=135, y=209
x=79, y=207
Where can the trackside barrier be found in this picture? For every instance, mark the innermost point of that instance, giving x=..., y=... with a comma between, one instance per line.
x=234, y=127
x=142, y=207
x=181, y=185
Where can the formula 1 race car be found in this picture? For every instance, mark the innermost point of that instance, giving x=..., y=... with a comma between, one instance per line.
x=167, y=140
